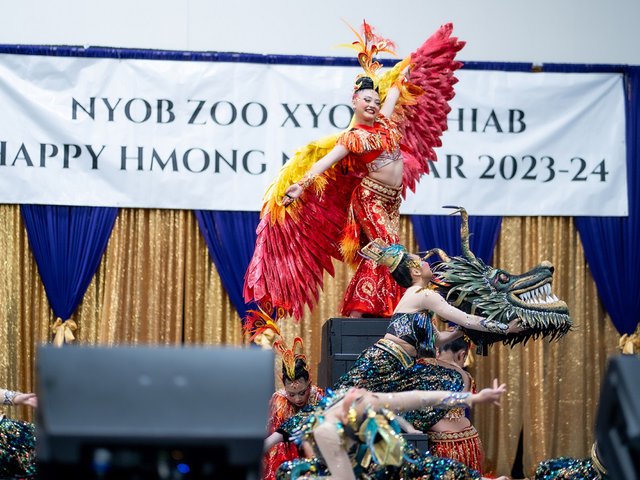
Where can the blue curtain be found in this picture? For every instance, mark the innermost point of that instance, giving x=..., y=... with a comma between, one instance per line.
x=67, y=243
x=231, y=237
x=443, y=232
x=612, y=244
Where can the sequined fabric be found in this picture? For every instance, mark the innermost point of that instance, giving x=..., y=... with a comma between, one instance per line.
x=415, y=466
x=464, y=446
x=281, y=409
x=416, y=329
x=419, y=466
x=565, y=468
x=379, y=370
x=369, y=141
x=374, y=214
x=17, y=449
x=430, y=376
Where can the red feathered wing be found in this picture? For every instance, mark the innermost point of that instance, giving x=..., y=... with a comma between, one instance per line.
x=296, y=245
x=424, y=104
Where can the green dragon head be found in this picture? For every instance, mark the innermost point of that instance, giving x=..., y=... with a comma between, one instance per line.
x=480, y=289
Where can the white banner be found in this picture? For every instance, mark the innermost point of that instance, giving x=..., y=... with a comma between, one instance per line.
x=199, y=135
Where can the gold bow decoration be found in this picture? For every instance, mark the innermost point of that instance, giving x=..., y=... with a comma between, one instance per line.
x=63, y=331
x=630, y=344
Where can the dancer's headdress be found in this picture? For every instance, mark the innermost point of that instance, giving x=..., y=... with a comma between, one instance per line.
x=368, y=45
x=290, y=355
x=387, y=255
x=259, y=322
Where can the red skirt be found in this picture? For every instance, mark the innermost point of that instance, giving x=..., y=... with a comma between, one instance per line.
x=464, y=446
x=374, y=214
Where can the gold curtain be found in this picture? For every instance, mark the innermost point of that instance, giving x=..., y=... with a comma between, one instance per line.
x=553, y=386
x=156, y=284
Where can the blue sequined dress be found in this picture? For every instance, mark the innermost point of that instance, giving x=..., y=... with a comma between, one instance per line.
x=17, y=449
x=386, y=367
x=414, y=465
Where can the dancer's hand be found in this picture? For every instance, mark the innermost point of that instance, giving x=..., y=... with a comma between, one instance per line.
x=515, y=326
x=294, y=191
x=28, y=399
x=491, y=395
x=406, y=71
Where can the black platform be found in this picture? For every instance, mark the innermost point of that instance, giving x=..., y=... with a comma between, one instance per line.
x=343, y=339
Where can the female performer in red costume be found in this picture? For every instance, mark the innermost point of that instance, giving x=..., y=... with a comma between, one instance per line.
x=298, y=392
x=337, y=194
x=374, y=213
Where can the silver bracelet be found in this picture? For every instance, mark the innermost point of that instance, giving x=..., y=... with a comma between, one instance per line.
x=9, y=395
x=494, y=327
x=455, y=399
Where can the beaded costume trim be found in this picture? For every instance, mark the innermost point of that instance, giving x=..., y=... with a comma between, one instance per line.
x=396, y=350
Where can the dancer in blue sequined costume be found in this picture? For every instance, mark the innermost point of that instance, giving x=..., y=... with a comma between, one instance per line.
x=17, y=438
x=390, y=364
x=356, y=436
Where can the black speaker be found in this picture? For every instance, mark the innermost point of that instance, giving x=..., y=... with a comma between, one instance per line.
x=152, y=412
x=618, y=418
x=343, y=340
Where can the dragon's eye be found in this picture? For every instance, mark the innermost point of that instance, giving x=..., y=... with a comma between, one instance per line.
x=503, y=278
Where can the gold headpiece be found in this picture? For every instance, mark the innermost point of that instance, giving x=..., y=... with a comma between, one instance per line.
x=289, y=356
x=389, y=256
x=368, y=45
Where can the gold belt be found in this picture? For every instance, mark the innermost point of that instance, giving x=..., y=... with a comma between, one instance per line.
x=381, y=189
x=396, y=350
x=467, y=433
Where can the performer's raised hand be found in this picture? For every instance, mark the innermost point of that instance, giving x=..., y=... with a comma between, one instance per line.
x=291, y=193
x=490, y=395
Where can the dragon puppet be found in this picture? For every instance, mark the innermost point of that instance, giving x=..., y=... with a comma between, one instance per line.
x=480, y=289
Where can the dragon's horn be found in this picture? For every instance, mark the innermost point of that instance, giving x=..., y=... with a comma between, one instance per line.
x=464, y=231
x=436, y=251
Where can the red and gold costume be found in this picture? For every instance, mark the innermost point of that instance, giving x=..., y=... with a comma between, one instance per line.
x=374, y=213
x=281, y=409
x=463, y=444
x=342, y=207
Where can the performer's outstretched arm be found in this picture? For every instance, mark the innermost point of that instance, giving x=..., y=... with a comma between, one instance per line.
x=434, y=302
x=393, y=94
x=357, y=401
x=271, y=441
x=336, y=154
x=10, y=397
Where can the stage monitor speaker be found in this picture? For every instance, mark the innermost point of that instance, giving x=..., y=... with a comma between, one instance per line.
x=618, y=418
x=152, y=412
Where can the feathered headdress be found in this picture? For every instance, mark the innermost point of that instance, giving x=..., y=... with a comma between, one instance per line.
x=368, y=45
x=290, y=355
x=389, y=256
x=259, y=322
